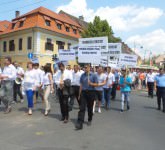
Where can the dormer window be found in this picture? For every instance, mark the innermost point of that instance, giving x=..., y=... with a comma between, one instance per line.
x=67, y=29
x=13, y=25
x=21, y=24
x=47, y=22
x=59, y=26
x=74, y=31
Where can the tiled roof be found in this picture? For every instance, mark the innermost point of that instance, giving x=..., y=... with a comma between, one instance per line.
x=37, y=18
x=4, y=25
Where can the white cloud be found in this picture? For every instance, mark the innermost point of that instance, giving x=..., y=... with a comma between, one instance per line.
x=121, y=18
x=153, y=41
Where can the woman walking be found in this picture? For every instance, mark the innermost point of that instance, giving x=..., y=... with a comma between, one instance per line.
x=48, y=87
x=30, y=84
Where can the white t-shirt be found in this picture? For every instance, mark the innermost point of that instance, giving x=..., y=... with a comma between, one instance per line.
x=76, y=78
x=101, y=78
x=150, y=77
x=9, y=71
x=110, y=81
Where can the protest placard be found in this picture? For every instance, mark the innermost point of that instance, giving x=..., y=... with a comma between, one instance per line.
x=66, y=55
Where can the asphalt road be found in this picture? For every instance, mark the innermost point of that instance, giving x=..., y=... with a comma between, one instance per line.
x=142, y=128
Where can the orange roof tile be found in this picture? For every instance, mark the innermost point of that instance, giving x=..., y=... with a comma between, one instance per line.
x=37, y=18
x=4, y=25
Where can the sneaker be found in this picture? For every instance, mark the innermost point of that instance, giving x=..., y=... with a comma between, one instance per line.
x=8, y=110
x=99, y=110
x=22, y=101
x=30, y=112
x=128, y=107
x=79, y=126
x=89, y=123
x=121, y=111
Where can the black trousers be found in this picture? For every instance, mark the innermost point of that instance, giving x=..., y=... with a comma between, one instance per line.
x=113, y=93
x=161, y=95
x=63, y=100
x=87, y=100
x=74, y=96
x=150, y=88
x=17, y=91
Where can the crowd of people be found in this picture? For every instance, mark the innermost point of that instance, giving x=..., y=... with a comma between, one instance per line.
x=92, y=87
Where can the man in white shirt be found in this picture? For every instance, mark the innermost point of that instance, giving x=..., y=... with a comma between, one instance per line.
x=63, y=81
x=108, y=87
x=150, y=78
x=75, y=86
x=17, y=82
x=7, y=77
x=40, y=74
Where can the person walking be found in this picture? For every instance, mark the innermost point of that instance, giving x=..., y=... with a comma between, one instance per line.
x=160, y=87
x=7, y=78
x=88, y=81
x=48, y=87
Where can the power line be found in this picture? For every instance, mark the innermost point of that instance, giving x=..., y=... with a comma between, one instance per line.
x=22, y=7
x=9, y=2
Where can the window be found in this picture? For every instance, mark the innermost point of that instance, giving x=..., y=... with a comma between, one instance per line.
x=21, y=24
x=4, y=46
x=60, y=44
x=11, y=45
x=13, y=25
x=20, y=44
x=47, y=22
x=49, y=45
x=74, y=31
x=67, y=29
x=59, y=26
x=29, y=43
x=69, y=44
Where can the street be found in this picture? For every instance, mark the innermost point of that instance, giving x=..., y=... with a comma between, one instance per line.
x=142, y=128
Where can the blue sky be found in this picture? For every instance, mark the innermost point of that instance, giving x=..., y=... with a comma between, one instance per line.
x=136, y=21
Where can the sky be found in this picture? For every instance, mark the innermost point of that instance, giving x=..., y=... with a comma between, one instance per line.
x=139, y=23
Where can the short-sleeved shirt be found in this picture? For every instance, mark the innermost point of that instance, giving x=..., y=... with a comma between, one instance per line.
x=160, y=80
x=101, y=78
x=84, y=81
x=127, y=87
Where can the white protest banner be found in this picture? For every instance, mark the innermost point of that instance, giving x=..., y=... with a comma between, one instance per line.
x=104, y=61
x=95, y=42
x=89, y=55
x=75, y=47
x=114, y=49
x=113, y=63
x=66, y=55
x=127, y=60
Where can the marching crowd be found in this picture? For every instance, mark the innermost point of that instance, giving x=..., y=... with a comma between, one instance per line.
x=91, y=87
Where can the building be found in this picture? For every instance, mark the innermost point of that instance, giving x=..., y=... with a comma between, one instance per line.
x=160, y=60
x=41, y=32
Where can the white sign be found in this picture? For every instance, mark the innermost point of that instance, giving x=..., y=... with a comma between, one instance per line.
x=89, y=55
x=66, y=55
x=127, y=60
x=95, y=42
x=75, y=47
x=114, y=49
x=104, y=61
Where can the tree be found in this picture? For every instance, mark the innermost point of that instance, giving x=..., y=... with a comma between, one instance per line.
x=99, y=28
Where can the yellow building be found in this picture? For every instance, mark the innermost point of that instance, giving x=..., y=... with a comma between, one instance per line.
x=41, y=32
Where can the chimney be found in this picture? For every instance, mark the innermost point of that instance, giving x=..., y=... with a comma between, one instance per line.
x=81, y=18
x=17, y=14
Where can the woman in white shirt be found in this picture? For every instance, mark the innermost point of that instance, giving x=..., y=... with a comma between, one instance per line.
x=29, y=85
x=48, y=87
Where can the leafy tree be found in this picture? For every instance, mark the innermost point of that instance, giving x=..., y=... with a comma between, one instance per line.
x=99, y=28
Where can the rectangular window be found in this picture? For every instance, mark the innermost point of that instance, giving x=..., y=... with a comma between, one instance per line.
x=69, y=44
x=67, y=29
x=21, y=24
x=60, y=44
x=47, y=22
x=29, y=43
x=13, y=25
x=74, y=31
x=59, y=26
x=48, y=45
x=20, y=44
x=4, y=46
x=11, y=45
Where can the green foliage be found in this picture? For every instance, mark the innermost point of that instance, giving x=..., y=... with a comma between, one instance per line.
x=99, y=28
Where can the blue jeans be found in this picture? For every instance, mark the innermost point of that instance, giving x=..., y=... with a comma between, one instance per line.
x=29, y=94
x=107, y=94
x=125, y=96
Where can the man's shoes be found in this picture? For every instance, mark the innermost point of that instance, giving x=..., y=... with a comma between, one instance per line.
x=128, y=107
x=89, y=123
x=121, y=111
x=79, y=126
x=158, y=108
x=8, y=110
